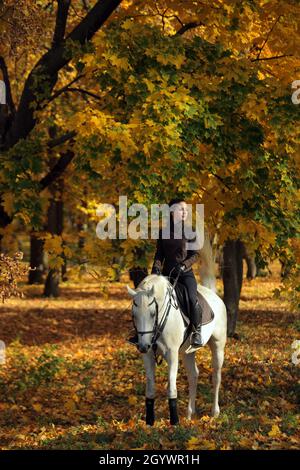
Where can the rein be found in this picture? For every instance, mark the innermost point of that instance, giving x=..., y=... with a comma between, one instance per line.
x=158, y=327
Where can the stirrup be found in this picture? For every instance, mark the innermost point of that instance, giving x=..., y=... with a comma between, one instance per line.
x=194, y=347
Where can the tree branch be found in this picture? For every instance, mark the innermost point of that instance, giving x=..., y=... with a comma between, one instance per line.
x=61, y=140
x=43, y=76
x=272, y=58
x=83, y=92
x=57, y=169
x=187, y=27
x=61, y=21
x=76, y=12
x=65, y=88
x=222, y=181
x=93, y=20
x=86, y=4
x=267, y=37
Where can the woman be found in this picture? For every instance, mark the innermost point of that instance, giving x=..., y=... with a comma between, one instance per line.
x=172, y=258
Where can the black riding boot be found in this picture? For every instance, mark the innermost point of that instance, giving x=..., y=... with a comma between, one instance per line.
x=196, y=319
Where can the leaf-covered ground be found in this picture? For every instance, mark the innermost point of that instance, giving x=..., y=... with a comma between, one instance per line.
x=70, y=380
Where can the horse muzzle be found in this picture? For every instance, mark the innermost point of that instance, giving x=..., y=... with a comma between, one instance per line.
x=144, y=348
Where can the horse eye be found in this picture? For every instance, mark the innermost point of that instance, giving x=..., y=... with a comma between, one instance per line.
x=135, y=303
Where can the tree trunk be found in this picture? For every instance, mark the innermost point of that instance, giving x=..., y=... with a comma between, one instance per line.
x=286, y=266
x=5, y=220
x=52, y=284
x=251, y=267
x=250, y=261
x=220, y=262
x=116, y=267
x=36, y=260
x=55, y=227
x=81, y=227
x=64, y=275
x=232, y=280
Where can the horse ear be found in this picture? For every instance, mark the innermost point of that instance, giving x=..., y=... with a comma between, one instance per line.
x=130, y=291
x=150, y=292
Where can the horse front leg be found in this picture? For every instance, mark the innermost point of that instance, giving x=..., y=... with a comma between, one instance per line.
x=172, y=360
x=149, y=363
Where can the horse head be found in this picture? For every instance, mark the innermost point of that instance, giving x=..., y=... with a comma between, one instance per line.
x=144, y=316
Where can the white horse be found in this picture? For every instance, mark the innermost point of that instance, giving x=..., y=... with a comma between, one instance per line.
x=159, y=322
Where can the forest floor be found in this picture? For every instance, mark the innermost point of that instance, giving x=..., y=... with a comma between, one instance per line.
x=70, y=380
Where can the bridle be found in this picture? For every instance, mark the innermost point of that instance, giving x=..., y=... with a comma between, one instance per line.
x=159, y=326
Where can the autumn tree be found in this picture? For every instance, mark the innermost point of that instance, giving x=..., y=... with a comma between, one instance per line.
x=183, y=114
x=186, y=97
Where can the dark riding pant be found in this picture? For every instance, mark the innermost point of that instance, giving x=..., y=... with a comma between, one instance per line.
x=188, y=279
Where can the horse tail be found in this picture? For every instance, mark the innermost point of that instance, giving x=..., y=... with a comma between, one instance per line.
x=208, y=267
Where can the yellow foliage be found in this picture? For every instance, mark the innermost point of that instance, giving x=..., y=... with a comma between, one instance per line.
x=275, y=431
x=8, y=202
x=120, y=62
x=53, y=244
x=132, y=400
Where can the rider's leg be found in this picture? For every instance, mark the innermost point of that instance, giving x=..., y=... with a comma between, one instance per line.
x=196, y=317
x=189, y=280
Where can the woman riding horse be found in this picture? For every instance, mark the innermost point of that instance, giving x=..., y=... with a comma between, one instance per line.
x=172, y=259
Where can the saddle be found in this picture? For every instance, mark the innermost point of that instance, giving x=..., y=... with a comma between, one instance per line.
x=184, y=304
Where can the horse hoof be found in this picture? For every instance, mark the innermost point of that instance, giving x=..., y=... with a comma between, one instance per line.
x=150, y=420
x=215, y=413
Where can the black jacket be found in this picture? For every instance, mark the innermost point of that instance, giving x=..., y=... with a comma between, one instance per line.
x=171, y=251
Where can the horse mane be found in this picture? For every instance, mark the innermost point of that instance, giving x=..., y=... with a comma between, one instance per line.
x=159, y=282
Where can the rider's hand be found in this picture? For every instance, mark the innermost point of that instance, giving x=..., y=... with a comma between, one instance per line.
x=155, y=270
x=179, y=268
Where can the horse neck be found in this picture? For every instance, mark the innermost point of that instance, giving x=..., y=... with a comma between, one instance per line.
x=163, y=298
x=174, y=320
x=161, y=291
